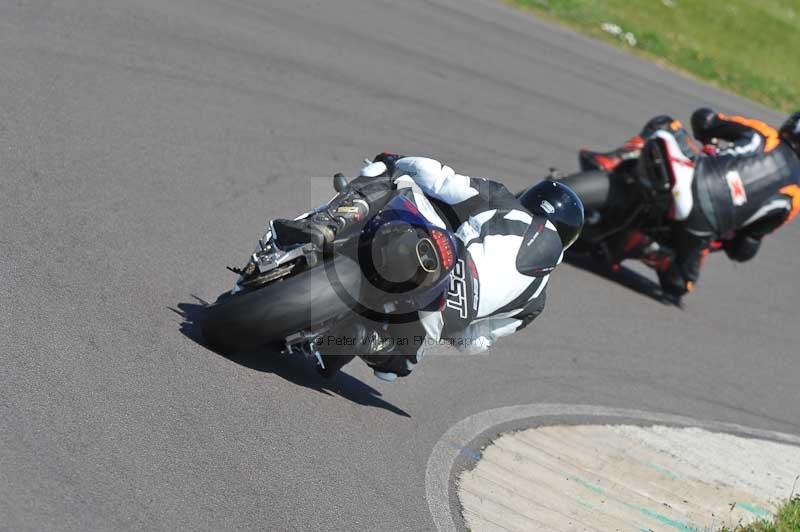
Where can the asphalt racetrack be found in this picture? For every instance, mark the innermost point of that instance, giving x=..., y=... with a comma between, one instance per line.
x=144, y=143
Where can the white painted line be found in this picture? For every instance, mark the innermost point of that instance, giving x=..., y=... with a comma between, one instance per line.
x=453, y=442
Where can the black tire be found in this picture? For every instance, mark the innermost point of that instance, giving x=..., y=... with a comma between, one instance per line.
x=593, y=187
x=267, y=315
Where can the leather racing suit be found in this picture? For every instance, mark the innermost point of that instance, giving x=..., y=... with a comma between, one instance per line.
x=734, y=195
x=504, y=259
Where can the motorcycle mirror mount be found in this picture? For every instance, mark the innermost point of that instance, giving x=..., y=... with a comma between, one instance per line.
x=339, y=182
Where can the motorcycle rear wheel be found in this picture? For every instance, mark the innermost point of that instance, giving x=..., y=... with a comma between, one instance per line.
x=593, y=187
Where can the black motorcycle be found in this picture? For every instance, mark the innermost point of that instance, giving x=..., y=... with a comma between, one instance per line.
x=290, y=293
x=620, y=199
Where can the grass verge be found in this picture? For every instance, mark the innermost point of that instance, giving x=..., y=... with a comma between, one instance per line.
x=786, y=520
x=749, y=47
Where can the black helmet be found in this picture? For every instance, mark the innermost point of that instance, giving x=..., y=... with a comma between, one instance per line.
x=559, y=204
x=790, y=131
x=703, y=120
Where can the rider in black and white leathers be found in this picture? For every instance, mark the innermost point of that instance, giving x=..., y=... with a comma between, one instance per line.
x=505, y=257
x=491, y=226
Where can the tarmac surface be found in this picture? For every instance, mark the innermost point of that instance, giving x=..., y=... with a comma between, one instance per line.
x=143, y=145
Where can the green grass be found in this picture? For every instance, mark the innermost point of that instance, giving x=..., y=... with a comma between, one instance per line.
x=786, y=520
x=751, y=47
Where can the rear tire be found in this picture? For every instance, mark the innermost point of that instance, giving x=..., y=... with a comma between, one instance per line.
x=593, y=187
x=268, y=315
x=604, y=197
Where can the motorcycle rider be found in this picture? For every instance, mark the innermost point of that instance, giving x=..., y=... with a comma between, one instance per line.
x=506, y=250
x=733, y=192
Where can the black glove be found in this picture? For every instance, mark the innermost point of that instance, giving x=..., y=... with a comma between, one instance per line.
x=389, y=159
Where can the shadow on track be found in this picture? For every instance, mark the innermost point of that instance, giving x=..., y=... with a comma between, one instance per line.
x=294, y=369
x=624, y=277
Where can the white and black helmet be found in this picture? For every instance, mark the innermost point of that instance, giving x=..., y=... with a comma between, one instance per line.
x=559, y=204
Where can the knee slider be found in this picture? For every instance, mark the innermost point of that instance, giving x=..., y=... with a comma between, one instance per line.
x=742, y=248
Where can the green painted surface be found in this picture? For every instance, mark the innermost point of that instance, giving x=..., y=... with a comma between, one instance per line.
x=663, y=519
x=755, y=510
x=588, y=485
x=665, y=472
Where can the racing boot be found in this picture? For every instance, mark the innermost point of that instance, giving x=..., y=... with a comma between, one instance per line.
x=637, y=245
x=608, y=161
x=321, y=228
x=658, y=256
x=641, y=247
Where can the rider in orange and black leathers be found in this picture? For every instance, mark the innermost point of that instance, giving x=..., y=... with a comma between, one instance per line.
x=734, y=192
